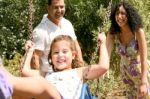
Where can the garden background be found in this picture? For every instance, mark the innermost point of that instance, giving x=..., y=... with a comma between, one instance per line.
x=88, y=18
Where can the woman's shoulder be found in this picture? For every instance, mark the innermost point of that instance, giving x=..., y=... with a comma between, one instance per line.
x=140, y=32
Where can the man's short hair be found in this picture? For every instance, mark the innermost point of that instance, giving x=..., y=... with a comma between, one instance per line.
x=49, y=2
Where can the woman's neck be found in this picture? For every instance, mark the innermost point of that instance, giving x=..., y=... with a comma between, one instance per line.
x=125, y=29
x=126, y=35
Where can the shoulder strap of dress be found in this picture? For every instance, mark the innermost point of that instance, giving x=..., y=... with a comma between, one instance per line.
x=135, y=36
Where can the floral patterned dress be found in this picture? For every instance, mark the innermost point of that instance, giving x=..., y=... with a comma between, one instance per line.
x=130, y=67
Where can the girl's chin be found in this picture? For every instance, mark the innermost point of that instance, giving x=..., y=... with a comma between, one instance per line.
x=61, y=68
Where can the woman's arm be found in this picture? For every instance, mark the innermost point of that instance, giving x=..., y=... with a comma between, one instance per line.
x=143, y=54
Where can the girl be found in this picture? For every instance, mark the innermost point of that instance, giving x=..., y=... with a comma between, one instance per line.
x=127, y=32
x=68, y=76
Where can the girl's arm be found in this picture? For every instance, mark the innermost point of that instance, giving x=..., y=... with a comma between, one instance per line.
x=99, y=69
x=26, y=69
x=143, y=54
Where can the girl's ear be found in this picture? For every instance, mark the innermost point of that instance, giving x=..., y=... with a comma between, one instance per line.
x=74, y=54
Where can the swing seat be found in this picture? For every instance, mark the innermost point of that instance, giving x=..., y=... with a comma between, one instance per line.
x=85, y=93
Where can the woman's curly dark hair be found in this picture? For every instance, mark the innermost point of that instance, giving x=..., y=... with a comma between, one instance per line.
x=134, y=19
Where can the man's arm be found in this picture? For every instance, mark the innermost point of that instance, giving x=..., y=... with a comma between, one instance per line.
x=79, y=52
x=35, y=63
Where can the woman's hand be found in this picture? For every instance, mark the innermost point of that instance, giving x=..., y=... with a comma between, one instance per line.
x=143, y=90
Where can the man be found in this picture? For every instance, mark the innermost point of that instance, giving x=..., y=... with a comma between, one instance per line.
x=52, y=25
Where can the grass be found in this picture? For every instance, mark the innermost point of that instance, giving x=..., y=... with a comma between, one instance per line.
x=107, y=87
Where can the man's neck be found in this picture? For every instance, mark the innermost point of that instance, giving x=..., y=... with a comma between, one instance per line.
x=55, y=21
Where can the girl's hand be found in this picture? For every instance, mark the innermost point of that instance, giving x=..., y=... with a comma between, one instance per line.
x=143, y=90
x=101, y=38
x=29, y=45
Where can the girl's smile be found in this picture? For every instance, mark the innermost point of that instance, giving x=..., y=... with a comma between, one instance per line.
x=62, y=55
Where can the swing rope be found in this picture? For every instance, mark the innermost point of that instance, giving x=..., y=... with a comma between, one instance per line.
x=30, y=22
x=101, y=29
x=30, y=27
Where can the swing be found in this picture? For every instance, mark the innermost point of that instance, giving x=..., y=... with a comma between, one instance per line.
x=85, y=92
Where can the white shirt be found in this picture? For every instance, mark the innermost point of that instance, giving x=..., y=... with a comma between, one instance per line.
x=68, y=83
x=45, y=32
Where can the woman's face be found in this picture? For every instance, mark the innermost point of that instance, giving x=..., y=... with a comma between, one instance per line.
x=121, y=16
x=62, y=55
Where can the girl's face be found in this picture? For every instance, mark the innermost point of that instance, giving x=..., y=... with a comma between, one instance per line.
x=121, y=16
x=62, y=55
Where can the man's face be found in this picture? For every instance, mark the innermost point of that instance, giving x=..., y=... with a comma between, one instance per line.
x=56, y=10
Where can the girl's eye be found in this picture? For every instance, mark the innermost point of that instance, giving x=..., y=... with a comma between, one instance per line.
x=65, y=51
x=56, y=52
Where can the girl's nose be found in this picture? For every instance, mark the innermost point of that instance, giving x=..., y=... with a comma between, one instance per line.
x=60, y=54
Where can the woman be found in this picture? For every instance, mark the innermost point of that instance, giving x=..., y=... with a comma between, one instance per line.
x=127, y=33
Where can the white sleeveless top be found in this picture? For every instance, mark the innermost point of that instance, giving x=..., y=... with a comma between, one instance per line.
x=68, y=83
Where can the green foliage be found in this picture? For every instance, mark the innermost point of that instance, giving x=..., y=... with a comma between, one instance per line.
x=13, y=65
x=13, y=19
x=105, y=86
x=87, y=17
